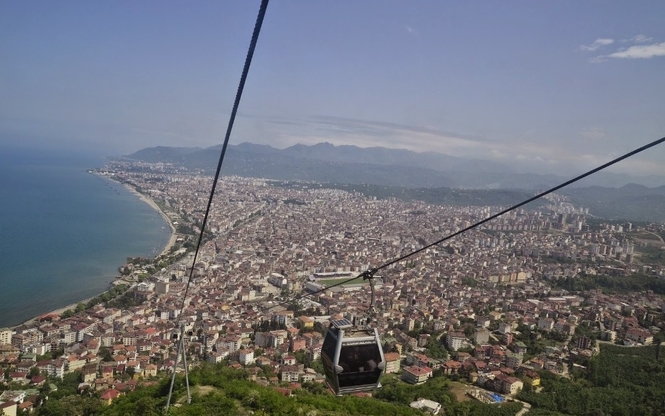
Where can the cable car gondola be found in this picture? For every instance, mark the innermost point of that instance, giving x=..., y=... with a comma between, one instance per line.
x=352, y=358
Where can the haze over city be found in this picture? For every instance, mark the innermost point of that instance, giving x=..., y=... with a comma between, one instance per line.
x=374, y=232
x=543, y=87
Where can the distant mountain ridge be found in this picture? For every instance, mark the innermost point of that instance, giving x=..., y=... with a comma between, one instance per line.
x=163, y=153
x=607, y=195
x=324, y=162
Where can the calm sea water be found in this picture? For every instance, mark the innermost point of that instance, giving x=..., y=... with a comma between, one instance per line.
x=64, y=232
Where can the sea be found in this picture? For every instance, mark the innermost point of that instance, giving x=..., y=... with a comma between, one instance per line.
x=64, y=232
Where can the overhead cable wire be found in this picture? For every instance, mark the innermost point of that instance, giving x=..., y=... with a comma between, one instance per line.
x=368, y=274
x=234, y=111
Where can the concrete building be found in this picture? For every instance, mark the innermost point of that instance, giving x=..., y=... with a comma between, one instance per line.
x=5, y=336
x=455, y=340
x=416, y=375
x=289, y=373
x=427, y=405
x=482, y=336
x=8, y=408
x=161, y=287
x=392, y=362
x=246, y=357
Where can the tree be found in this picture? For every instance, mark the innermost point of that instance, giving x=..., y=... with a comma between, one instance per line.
x=105, y=352
x=67, y=386
x=57, y=353
x=435, y=348
x=303, y=358
x=67, y=314
x=317, y=365
x=469, y=330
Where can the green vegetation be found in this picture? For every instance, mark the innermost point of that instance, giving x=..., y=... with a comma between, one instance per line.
x=125, y=301
x=71, y=405
x=438, y=389
x=621, y=381
x=586, y=330
x=105, y=297
x=185, y=229
x=435, y=348
x=652, y=255
x=620, y=204
x=536, y=342
x=71, y=312
x=230, y=393
x=645, y=236
x=620, y=284
x=469, y=282
x=221, y=390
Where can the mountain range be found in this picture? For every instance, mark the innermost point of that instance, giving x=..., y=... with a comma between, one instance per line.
x=607, y=194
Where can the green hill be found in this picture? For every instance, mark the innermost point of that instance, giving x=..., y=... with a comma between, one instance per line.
x=221, y=390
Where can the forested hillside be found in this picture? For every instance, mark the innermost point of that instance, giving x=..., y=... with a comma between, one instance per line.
x=221, y=390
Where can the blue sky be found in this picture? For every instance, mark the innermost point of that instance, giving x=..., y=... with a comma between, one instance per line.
x=546, y=86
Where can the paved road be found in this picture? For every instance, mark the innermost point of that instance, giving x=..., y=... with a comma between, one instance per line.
x=659, y=237
x=524, y=410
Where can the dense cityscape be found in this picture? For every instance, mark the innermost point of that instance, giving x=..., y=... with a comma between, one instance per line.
x=492, y=308
x=439, y=208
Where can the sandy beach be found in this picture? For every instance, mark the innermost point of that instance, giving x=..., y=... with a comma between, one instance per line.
x=156, y=207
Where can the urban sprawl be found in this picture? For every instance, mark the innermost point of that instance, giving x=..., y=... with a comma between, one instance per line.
x=461, y=308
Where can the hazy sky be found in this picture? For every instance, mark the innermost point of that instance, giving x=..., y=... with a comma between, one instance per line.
x=553, y=85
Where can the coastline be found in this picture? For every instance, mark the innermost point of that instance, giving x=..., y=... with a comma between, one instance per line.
x=58, y=311
x=156, y=207
x=167, y=248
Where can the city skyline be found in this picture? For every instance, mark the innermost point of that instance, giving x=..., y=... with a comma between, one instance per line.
x=547, y=87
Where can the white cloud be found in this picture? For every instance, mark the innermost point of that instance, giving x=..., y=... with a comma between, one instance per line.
x=597, y=44
x=639, y=52
x=411, y=30
x=589, y=146
x=641, y=39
